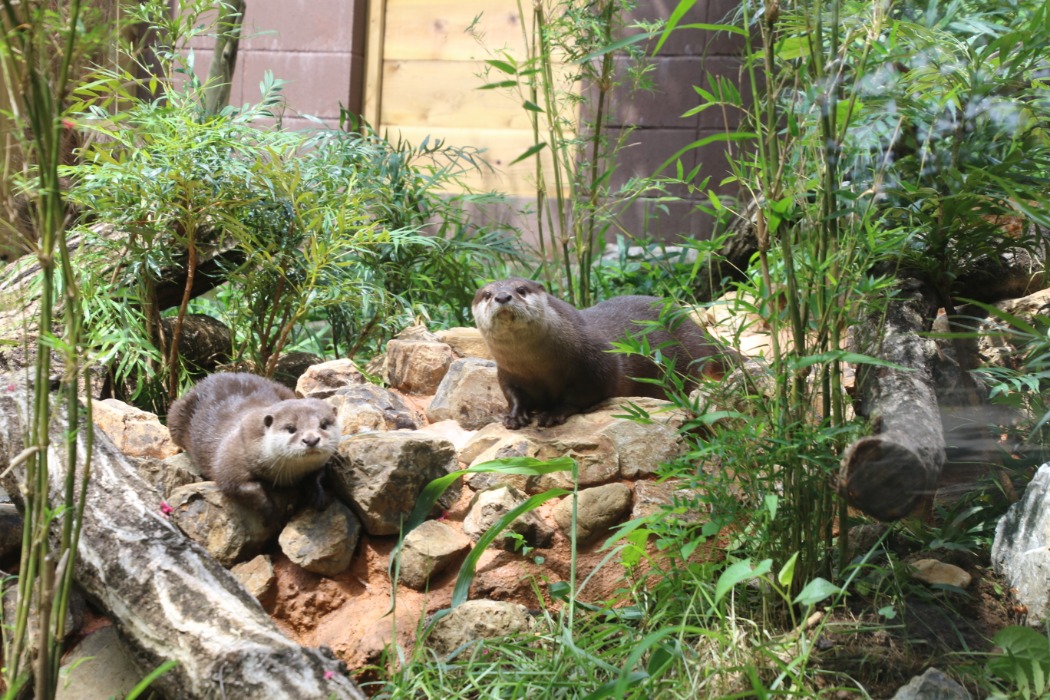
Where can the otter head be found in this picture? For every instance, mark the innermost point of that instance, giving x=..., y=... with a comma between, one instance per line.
x=509, y=308
x=299, y=436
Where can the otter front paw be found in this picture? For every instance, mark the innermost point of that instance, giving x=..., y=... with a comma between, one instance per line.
x=549, y=419
x=514, y=421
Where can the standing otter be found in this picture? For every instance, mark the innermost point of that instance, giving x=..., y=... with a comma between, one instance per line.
x=244, y=432
x=553, y=360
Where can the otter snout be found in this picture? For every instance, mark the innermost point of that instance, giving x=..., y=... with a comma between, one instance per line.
x=311, y=441
x=502, y=298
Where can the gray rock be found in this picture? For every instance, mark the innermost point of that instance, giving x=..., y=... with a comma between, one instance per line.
x=230, y=531
x=489, y=506
x=366, y=407
x=100, y=666
x=257, y=576
x=469, y=394
x=642, y=447
x=417, y=366
x=513, y=445
x=428, y=550
x=932, y=685
x=475, y=620
x=381, y=475
x=322, y=380
x=598, y=509
x=1021, y=549
x=322, y=541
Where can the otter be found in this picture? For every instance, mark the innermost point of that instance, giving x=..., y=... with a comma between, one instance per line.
x=247, y=433
x=553, y=360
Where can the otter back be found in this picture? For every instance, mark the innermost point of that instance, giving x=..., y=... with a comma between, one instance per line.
x=553, y=360
x=246, y=432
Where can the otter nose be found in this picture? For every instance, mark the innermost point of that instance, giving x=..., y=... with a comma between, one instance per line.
x=502, y=297
x=311, y=440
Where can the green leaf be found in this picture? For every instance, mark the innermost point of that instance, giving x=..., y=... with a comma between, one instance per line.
x=532, y=150
x=505, y=66
x=787, y=572
x=815, y=591
x=738, y=572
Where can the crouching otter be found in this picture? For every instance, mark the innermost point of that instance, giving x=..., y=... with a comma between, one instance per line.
x=248, y=433
x=553, y=360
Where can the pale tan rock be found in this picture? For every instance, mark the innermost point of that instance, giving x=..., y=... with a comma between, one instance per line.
x=322, y=380
x=429, y=550
x=367, y=407
x=665, y=498
x=166, y=475
x=466, y=342
x=491, y=505
x=935, y=572
x=477, y=619
x=417, y=366
x=322, y=542
x=256, y=575
x=597, y=509
x=469, y=394
x=230, y=531
x=135, y=432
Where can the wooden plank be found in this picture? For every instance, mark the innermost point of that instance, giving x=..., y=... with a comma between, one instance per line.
x=450, y=29
x=374, y=47
x=501, y=147
x=447, y=93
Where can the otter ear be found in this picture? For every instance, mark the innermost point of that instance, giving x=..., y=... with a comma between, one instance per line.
x=268, y=420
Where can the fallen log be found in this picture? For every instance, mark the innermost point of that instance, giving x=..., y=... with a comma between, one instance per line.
x=168, y=598
x=889, y=473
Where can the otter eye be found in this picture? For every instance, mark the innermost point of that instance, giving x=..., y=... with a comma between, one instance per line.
x=326, y=424
x=290, y=429
x=522, y=291
x=486, y=295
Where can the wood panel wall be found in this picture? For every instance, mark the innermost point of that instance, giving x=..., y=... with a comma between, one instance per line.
x=424, y=67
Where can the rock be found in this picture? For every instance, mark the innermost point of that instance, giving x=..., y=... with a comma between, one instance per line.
x=381, y=475
x=642, y=447
x=417, y=333
x=597, y=509
x=514, y=444
x=489, y=506
x=666, y=498
x=935, y=572
x=135, y=432
x=290, y=367
x=166, y=475
x=996, y=341
x=367, y=408
x=257, y=576
x=323, y=379
x=596, y=458
x=483, y=440
x=469, y=394
x=10, y=531
x=932, y=685
x=465, y=342
x=449, y=430
x=1021, y=549
x=230, y=531
x=417, y=366
x=100, y=666
x=475, y=620
x=322, y=542
x=428, y=550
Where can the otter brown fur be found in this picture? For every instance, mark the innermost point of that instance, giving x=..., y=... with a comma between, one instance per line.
x=246, y=433
x=553, y=360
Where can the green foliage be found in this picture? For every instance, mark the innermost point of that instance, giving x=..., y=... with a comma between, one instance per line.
x=568, y=44
x=1022, y=669
x=328, y=240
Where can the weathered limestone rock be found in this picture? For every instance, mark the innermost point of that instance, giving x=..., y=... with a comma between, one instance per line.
x=382, y=474
x=666, y=498
x=1021, y=549
x=100, y=666
x=514, y=444
x=642, y=447
x=597, y=509
x=367, y=407
x=135, y=432
x=932, y=685
x=322, y=541
x=322, y=380
x=257, y=576
x=417, y=366
x=475, y=620
x=465, y=342
x=935, y=572
x=231, y=532
x=489, y=506
x=428, y=550
x=166, y=475
x=483, y=440
x=469, y=394
x=596, y=458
